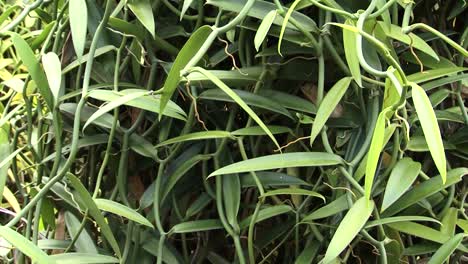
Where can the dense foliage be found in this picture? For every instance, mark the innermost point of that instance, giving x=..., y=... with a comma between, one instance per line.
x=246, y=131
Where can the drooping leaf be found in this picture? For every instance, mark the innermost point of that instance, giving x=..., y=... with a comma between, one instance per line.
x=349, y=41
x=94, y=211
x=288, y=14
x=430, y=128
x=249, y=98
x=113, y=104
x=374, y=152
x=190, y=48
x=53, y=71
x=144, y=12
x=78, y=13
x=238, y=100
x=147, y=102
x=185, y=7
x=263, y=28
x=34, y=68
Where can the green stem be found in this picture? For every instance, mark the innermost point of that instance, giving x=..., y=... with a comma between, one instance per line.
x=76, y=123
x=21, y=16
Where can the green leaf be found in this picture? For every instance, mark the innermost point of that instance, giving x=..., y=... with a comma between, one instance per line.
x=389, y=220
x=293, y=191
x=373, y=155
x=424, y=190
x=444, y=252
x=199, y=204
x=94, y=211
x=266, y=213
x=5, y=156
x=25, y=246
x=263, y=28
x=439, y=96
x=53, y=71
x=197, y=226
x=285, y=23
x=349, y=227
x=430, y=128
x=34, y=68
x=122, y=210
x=190, y=48
x=338, y=205
x=232, y=197
x=424, y=232
x=83, y=258
x=185, y=7
x=238, y=100
x=270, y=179
x=249, y=98
x=147, y=102
x=258, y=131
x=429, y=75
x=196, y=136
x=289, y=101
x=349, y=42
x=242, y=77
x=395, y=32
x=419, y=144
x=328, y=105
x=99, y=51
x=113, y=104
x=8, y=157
x=278, y=161
x=463, y=224
x=402, y=177
x=449, y=221
x=261, y=8
x=128, y=28
x=78, y=14
x=144, y=12
x=180, y=171
x=308, y=254
x=53, y=244
x=392, y=94
x=84, y=243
